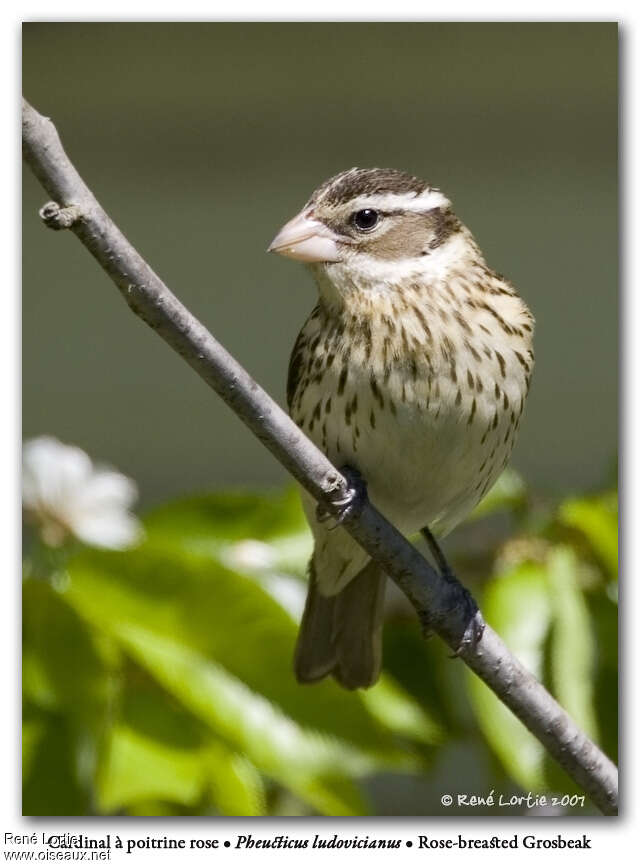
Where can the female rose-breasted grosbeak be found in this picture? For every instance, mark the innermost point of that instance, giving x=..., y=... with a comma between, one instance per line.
x=412, y=369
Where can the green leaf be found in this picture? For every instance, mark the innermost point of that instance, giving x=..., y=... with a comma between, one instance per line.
x=221, y=525
x=161, y=759
x=541, y=613
x=53, y=787
x=518, y=607
x=423, y=668
x=260, y=536
x=193, y=590
x=597, y=519
x=394, y=708
x=228, y=618
x=64, y=666
x=314, y=766
x=572, y=647
x=236, y=785
x=139, y=768
x=33, y=731
x=157, y=809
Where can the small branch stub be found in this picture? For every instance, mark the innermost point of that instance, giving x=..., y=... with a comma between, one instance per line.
x=58, y=218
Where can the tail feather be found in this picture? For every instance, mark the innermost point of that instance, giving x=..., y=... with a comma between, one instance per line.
x=315, y=655
x=342, y=634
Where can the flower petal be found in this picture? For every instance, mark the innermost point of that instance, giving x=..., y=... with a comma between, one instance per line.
x=63, y=492
x=115, y=530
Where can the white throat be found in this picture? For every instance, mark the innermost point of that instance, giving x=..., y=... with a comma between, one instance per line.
x=362, y=273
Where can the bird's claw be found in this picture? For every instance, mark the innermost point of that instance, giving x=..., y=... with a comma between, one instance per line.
x=474, y=629
x=472, y=635
x=475, y=624
x=349, y=504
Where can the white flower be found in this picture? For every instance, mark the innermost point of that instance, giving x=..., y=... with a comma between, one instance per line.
x=66, y=495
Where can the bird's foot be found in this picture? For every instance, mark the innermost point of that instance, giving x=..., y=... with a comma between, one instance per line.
x=347, y=503
x=475, y=624
x=460, y=598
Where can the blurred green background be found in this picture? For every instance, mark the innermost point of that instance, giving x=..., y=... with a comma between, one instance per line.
x=202, y=139
x=158, y=680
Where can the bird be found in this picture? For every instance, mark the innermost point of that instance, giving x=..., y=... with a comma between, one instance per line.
x=411, y=371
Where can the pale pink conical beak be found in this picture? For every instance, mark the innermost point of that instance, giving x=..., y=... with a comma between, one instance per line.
x=307, y=240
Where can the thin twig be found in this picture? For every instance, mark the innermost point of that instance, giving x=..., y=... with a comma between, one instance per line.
x=436, y=601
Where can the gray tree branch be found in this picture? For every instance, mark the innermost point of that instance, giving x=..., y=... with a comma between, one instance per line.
x=437, y=601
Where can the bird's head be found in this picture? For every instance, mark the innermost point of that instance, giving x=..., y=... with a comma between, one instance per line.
x=365, y=227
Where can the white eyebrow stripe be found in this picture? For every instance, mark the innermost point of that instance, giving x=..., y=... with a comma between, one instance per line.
x=408, y=201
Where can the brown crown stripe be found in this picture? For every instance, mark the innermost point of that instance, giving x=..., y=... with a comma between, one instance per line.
x=366, y=181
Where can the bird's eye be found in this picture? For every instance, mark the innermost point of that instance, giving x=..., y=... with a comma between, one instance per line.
x=366, y=220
